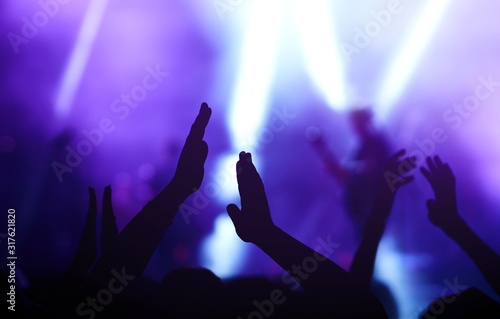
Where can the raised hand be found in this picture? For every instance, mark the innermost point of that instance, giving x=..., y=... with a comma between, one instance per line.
x=333, y=290
x=151, y=223
x=87, y=249
x=86, y=254
x=392, y=182
x=109, y=231
x=189, y=173
x=443, y=210
x=364, y=260
x=443, y=213
x=254, y=218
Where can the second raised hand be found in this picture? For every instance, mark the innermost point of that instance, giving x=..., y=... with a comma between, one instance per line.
x=109, y=232
x=443, y=210
x=190, y=168
x=254, y=218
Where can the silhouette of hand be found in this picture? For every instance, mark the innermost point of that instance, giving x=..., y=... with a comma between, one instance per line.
x=389, y=186
x=87, y=249
x=443, y=210
x=254, y=218
x=109, y=232
x=394, y=164
x=189, y=173
x=86, y=253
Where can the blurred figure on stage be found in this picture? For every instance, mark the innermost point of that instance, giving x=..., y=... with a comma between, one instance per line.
x=360, y=175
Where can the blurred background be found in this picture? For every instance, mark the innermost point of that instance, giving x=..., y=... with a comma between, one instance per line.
x=103, y=92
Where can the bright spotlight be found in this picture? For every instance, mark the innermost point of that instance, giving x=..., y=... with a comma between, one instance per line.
x=389, y=268
x=323, y=59
x=223, y=251
x=406, y=60
x=79, y=57
x=256, y=70
x=248, y=108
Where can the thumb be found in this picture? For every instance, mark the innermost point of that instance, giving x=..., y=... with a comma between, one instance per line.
x=233, y=211
x=204, y=150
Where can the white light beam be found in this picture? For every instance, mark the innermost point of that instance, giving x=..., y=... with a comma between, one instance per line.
x=323, y=59
x=79, y=57
x=406, y=60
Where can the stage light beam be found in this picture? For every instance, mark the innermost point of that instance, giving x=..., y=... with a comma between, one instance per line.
x=247, y=110
x=74, y=71
x=223, y=245
x=322, y=57
x=406, y=60
x=249, y=102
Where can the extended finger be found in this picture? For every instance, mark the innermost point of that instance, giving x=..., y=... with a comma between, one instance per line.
x=438, y=161
x=109, y=231
x=447, y=168
x=250, y=184
x=244, y=168
x=92, y=213
x=432, y=166
x=409, y=163
x=397, y=155
x=233, y=211
x=426, y=174
x=200, y=123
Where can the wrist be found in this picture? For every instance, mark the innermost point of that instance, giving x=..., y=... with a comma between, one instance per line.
x=374, y=227
x=172, y=194
x=266, y=235
x=454, y=226
x=180, y=188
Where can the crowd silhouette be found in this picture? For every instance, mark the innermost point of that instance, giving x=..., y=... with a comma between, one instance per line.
x=108, y=283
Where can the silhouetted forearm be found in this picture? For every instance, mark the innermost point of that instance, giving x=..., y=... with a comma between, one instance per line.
x=364, y=260
x=485, y=258
x=137, y=242
x=85, y=256
x=345, y=294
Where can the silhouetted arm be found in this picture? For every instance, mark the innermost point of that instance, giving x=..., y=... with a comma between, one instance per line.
x=364, y=259
x=137, y=242
x=135, y=245
x=80, y=268
x=86, y=253
x=109, y=232
x=328, y=282
x=443, y=213
x=140, y=238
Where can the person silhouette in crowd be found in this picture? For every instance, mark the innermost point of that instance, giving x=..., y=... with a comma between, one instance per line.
x=360, y=176
x=364, y=259
x=443, y=213
x=194, y=292
x=328, y=290
x=125, y=255
x=86, y=254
